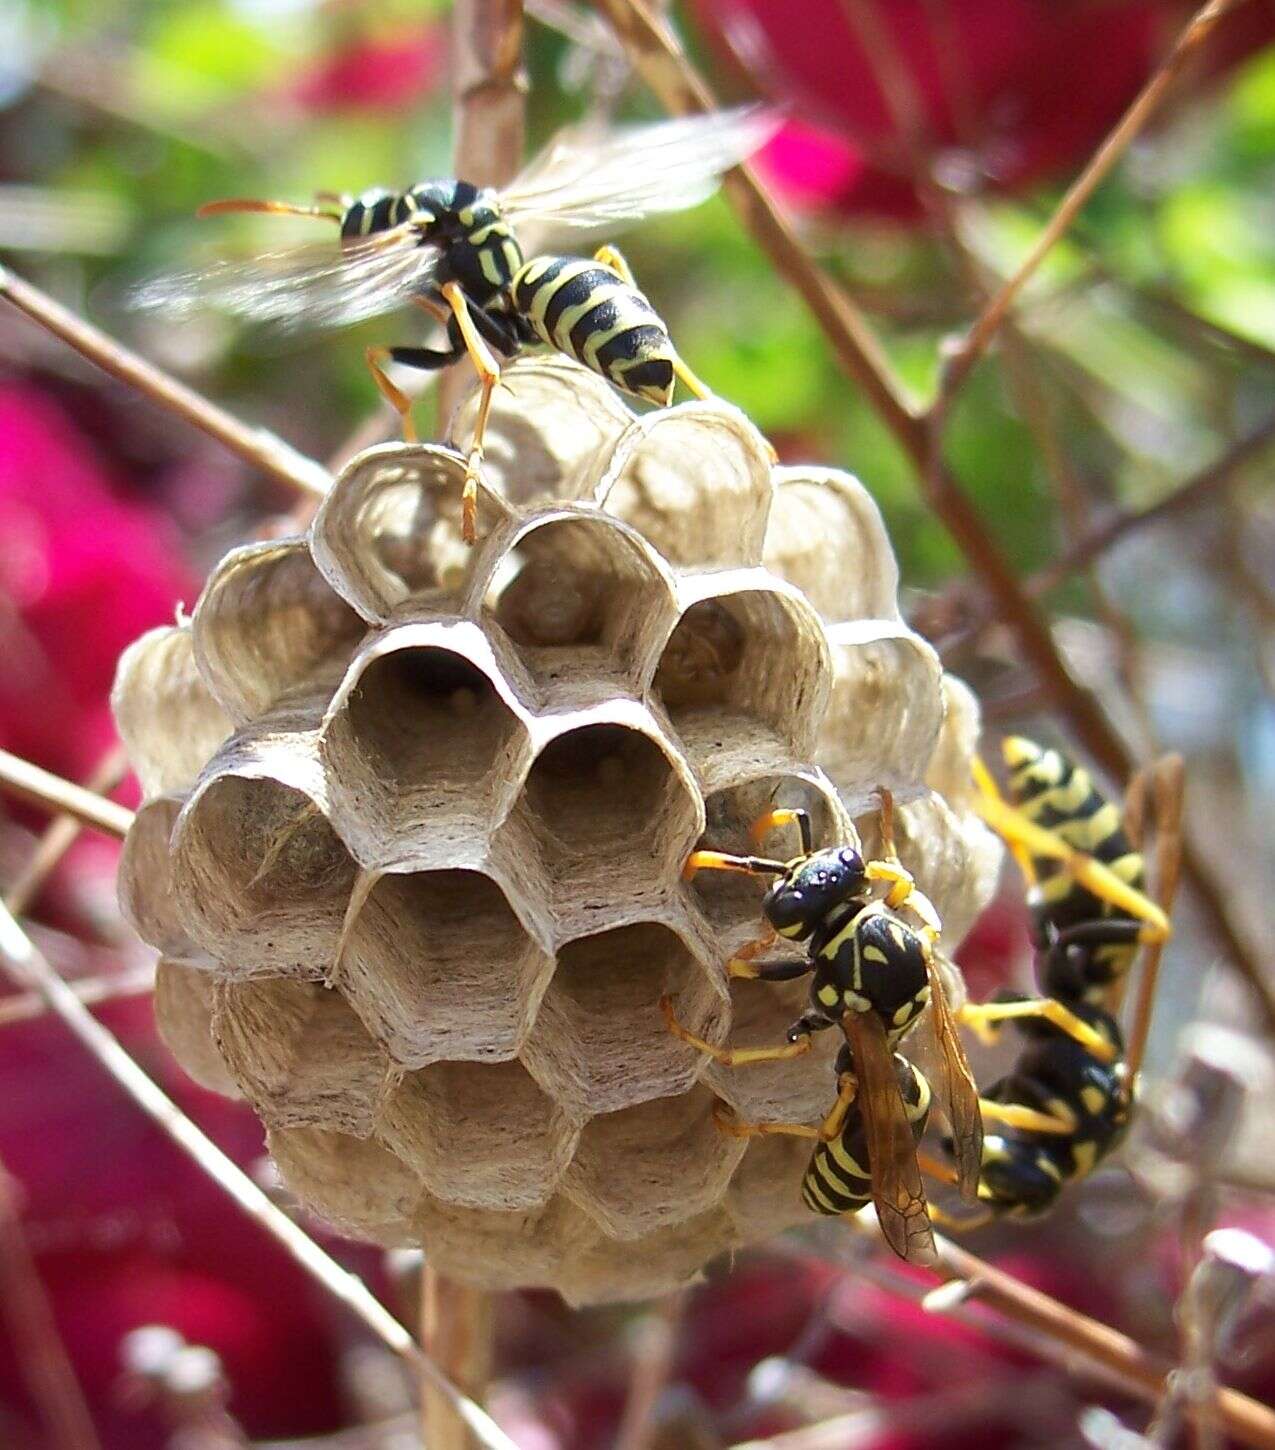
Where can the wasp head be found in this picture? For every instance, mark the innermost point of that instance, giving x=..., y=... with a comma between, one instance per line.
x=811, y=887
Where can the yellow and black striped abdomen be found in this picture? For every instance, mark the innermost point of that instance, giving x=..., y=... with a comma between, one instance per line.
x=1059, y=795
x=586, y=311
x=839, y=1176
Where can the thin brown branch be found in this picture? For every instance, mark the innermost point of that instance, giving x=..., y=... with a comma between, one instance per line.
x=256, y=446
x=40, y=1352
x=23, y=1006
x=30, y=968
x=968, y=351
x=654, y=1350
x=1167, y=787
x=457, y=1322
x=42, y=788
x=60, y=835
x=658, y=57
x=1140, y=1372
x=1198, y=490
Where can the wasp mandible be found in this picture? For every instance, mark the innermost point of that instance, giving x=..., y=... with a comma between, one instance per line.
x=477, y=260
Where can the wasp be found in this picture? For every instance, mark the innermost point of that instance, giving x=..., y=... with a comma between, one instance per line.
x=1068, y=1100
x=479, y=261
x=873, y=972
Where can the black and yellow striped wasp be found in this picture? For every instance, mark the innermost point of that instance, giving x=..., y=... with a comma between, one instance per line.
x=1090, y=914
x=873, y=971
x=476, y=260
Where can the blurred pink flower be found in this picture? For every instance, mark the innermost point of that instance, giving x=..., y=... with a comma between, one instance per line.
x=83, y=572
x=1001, y=93
x=381, y=73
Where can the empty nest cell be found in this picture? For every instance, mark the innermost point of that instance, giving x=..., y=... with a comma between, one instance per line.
x=588, y=598
x=145, y=881
x=268, y=626
x=885, y=711
x=389, y=528
x=653, y=1165
x=419, y=737
x=299, y=1054
x=613, y=817
x=799, y=1090
x=261, y=876
x=482, y=1136
x=730, y=900
x=183, y=1006
x=695, y=481
x=753, y=653
x=826, y=536
x=354, y=1184
x=599, y=1042
x=439, y=967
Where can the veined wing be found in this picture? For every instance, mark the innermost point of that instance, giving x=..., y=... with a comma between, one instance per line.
x=590, y=179
x=320, y=285
x=897, y=1189
x=960, y=1092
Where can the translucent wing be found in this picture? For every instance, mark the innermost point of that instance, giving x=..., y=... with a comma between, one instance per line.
x=310, y=286
x=897, y=1190
x=588, y=179
x=959, y=1087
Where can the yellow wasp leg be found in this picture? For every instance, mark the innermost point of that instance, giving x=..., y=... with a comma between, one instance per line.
x=903, y=888
x=1091, y=873
x=612, y=257
x=783, y=816
x=731, y=1056
x=979, y=1017
x=727, y=1122
x=376, y=358
x=847, y=1090
x=964, y=1224
x=1014, y=1115
x=989, y=792
x=740, y=965
x=720, y=861
x=488, y=370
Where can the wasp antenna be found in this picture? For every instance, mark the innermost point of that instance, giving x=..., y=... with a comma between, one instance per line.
x=279, y=208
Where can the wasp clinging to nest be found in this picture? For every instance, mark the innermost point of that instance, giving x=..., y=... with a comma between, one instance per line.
x=873, y=972
x=475, y=259
x=1086, y=891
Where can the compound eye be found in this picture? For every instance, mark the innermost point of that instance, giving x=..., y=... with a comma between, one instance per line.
x=784, y=905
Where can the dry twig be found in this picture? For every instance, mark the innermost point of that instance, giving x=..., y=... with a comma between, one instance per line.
x=968, y=351
x=29, y=967
x=257, y=446
x=50, y=792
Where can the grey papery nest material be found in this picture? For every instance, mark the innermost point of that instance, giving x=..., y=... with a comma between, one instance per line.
x=415, y=817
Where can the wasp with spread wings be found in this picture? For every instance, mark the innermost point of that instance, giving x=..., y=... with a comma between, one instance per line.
x=872, y=974
x=476, y=259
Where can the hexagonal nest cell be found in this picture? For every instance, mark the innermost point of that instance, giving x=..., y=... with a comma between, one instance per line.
x=416, y=815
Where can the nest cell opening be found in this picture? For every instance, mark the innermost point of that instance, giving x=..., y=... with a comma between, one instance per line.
x=730, y=900
x=299, y=1054
x=884, y=714
x=646, y=1167
x=422, y=735
x=439, y=967
x=587, y=599
x=262, y=877
x=613, y=816
x=269, y=627
x=798, y=1090
x=352, y=1183
x=756, y=655
x=599, y=1042
x=482, y=1136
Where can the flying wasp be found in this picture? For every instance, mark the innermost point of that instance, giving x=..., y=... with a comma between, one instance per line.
x=476, y=259
x=1074, y=1076
x=872, y=974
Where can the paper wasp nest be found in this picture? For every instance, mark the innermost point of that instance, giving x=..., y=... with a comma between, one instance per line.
x=415, y=816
